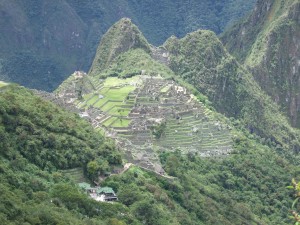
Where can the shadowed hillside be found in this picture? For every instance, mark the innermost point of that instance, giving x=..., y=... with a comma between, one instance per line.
x=268, y=43
x=42, y=42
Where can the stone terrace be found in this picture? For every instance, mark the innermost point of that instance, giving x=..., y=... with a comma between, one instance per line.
x=128, y=110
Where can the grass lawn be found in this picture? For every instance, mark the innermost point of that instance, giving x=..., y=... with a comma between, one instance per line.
x=109, y=105
x=121, y=123
x=109, y=121
x=118, y=111
x=92, y=100
x=119, y=93
x=100, y=102
x=86, y=97
x=165, y=89
x=104, y=90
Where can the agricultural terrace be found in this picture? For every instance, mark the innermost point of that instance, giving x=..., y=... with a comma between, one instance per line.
x=149, y=114
x=111, y=97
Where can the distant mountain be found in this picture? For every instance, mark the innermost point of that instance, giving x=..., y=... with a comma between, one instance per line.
x=43, y=42
x=268, y=44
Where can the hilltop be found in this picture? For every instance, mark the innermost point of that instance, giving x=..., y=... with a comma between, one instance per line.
x=148, y=114
x=202, y=60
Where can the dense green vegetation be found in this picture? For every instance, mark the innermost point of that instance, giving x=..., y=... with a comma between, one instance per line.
x=40, y=144
x=62, y=36
x=159, y=19
x=37, y=141
x=34, y=76
x=121, y=37
x=266, y=43
x=295, y=206
x=133, y=62
x=45, y=135
x=245, y=188
x=201, y=60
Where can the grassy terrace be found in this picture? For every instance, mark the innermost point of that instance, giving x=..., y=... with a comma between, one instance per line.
x=112, y=96
x=75, y=175
x=195, y=131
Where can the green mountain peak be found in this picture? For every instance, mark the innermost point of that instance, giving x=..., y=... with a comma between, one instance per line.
x=201, y=60
x=120, y=38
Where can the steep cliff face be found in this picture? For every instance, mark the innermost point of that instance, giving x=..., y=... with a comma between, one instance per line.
x=40, y=41
x=268, y=43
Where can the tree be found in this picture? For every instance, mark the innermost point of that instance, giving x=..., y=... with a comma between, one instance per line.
x=92, y=169
x=295, y=210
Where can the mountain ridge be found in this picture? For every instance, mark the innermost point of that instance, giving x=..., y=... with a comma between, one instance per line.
x=121, y=37
x=199, y=55
x=267, y=43
x=201, y=60
x=151, y=101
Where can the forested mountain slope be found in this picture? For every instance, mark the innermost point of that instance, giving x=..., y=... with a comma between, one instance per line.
x=42, y=42
x=201, y=60
x=268, y=43
x=39, y=141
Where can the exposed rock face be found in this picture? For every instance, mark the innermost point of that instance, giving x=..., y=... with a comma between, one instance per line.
x=268, y=43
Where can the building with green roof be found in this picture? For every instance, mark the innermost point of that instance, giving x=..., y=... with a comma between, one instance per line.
x=103, y=194
x=107, y=193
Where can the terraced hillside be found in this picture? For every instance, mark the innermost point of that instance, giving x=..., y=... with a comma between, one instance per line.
x=147, y=115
